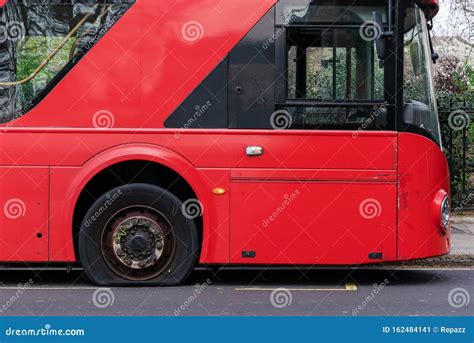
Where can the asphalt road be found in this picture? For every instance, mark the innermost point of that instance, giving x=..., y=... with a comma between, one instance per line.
x=276, y=292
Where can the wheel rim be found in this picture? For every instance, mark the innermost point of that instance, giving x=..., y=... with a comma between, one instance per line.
x=138, y=243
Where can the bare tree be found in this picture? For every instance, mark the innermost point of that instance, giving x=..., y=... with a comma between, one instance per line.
x=456, y=19
x=454, y=30
x=464, y=9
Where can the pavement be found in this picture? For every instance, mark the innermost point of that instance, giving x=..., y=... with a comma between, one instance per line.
x=463, y=235
x=462, y=244
x=272, y=292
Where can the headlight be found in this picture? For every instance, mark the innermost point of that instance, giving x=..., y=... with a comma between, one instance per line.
x=445, y=212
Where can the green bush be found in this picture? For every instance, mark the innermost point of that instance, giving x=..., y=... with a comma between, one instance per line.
x=454, y=88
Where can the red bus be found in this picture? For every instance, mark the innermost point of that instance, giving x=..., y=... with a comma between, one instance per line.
x=140, y=138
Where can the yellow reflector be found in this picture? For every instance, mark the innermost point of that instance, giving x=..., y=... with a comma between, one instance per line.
x=218, y=191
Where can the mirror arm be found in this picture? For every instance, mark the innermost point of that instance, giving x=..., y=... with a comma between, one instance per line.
x=389, y=34
x=383, y=38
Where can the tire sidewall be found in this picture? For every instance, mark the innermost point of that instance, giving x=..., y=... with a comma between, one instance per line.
x=162, y=201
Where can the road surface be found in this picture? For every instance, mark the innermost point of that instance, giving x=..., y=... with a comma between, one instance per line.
x=274, y=292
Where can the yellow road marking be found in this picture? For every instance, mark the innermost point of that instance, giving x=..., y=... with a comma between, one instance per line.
x=350, y=286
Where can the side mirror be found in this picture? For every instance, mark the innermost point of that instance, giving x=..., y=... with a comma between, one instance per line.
x=416, y=113
x=380, y=42
x=416, y=59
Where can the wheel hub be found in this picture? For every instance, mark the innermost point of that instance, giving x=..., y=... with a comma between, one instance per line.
x=138, y=242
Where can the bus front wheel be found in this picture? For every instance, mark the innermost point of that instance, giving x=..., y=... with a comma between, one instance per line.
x=137, y=234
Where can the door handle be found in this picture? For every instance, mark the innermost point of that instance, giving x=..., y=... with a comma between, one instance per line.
x=254, y=151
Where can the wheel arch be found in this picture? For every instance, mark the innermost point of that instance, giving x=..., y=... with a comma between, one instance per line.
x=140, y=155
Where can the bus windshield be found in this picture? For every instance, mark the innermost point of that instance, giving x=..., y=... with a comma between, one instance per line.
x=419, y=84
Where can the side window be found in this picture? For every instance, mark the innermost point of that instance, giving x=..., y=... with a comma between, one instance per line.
x=306, y=65
x=41, y=40
x=334, y=80
x=332, y=64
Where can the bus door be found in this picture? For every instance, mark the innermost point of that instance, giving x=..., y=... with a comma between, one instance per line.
x=318, y=185
x=314, y=199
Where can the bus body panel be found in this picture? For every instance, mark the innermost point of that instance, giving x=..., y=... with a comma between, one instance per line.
x=207, y=148
x=147, y=64
x=422, y=169
x=24, y=221
x=317, y=222
x=195, y=162
x=423, y=173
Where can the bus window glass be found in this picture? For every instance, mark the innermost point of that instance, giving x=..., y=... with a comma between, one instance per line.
x=333, y=64
x=334, y=78
x=418, y=74
x=40, y=40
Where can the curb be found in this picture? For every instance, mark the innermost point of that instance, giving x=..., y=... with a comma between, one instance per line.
x=462, y=260
x=463, y=220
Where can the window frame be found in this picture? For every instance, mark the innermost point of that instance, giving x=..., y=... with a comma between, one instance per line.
x=282, y=64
